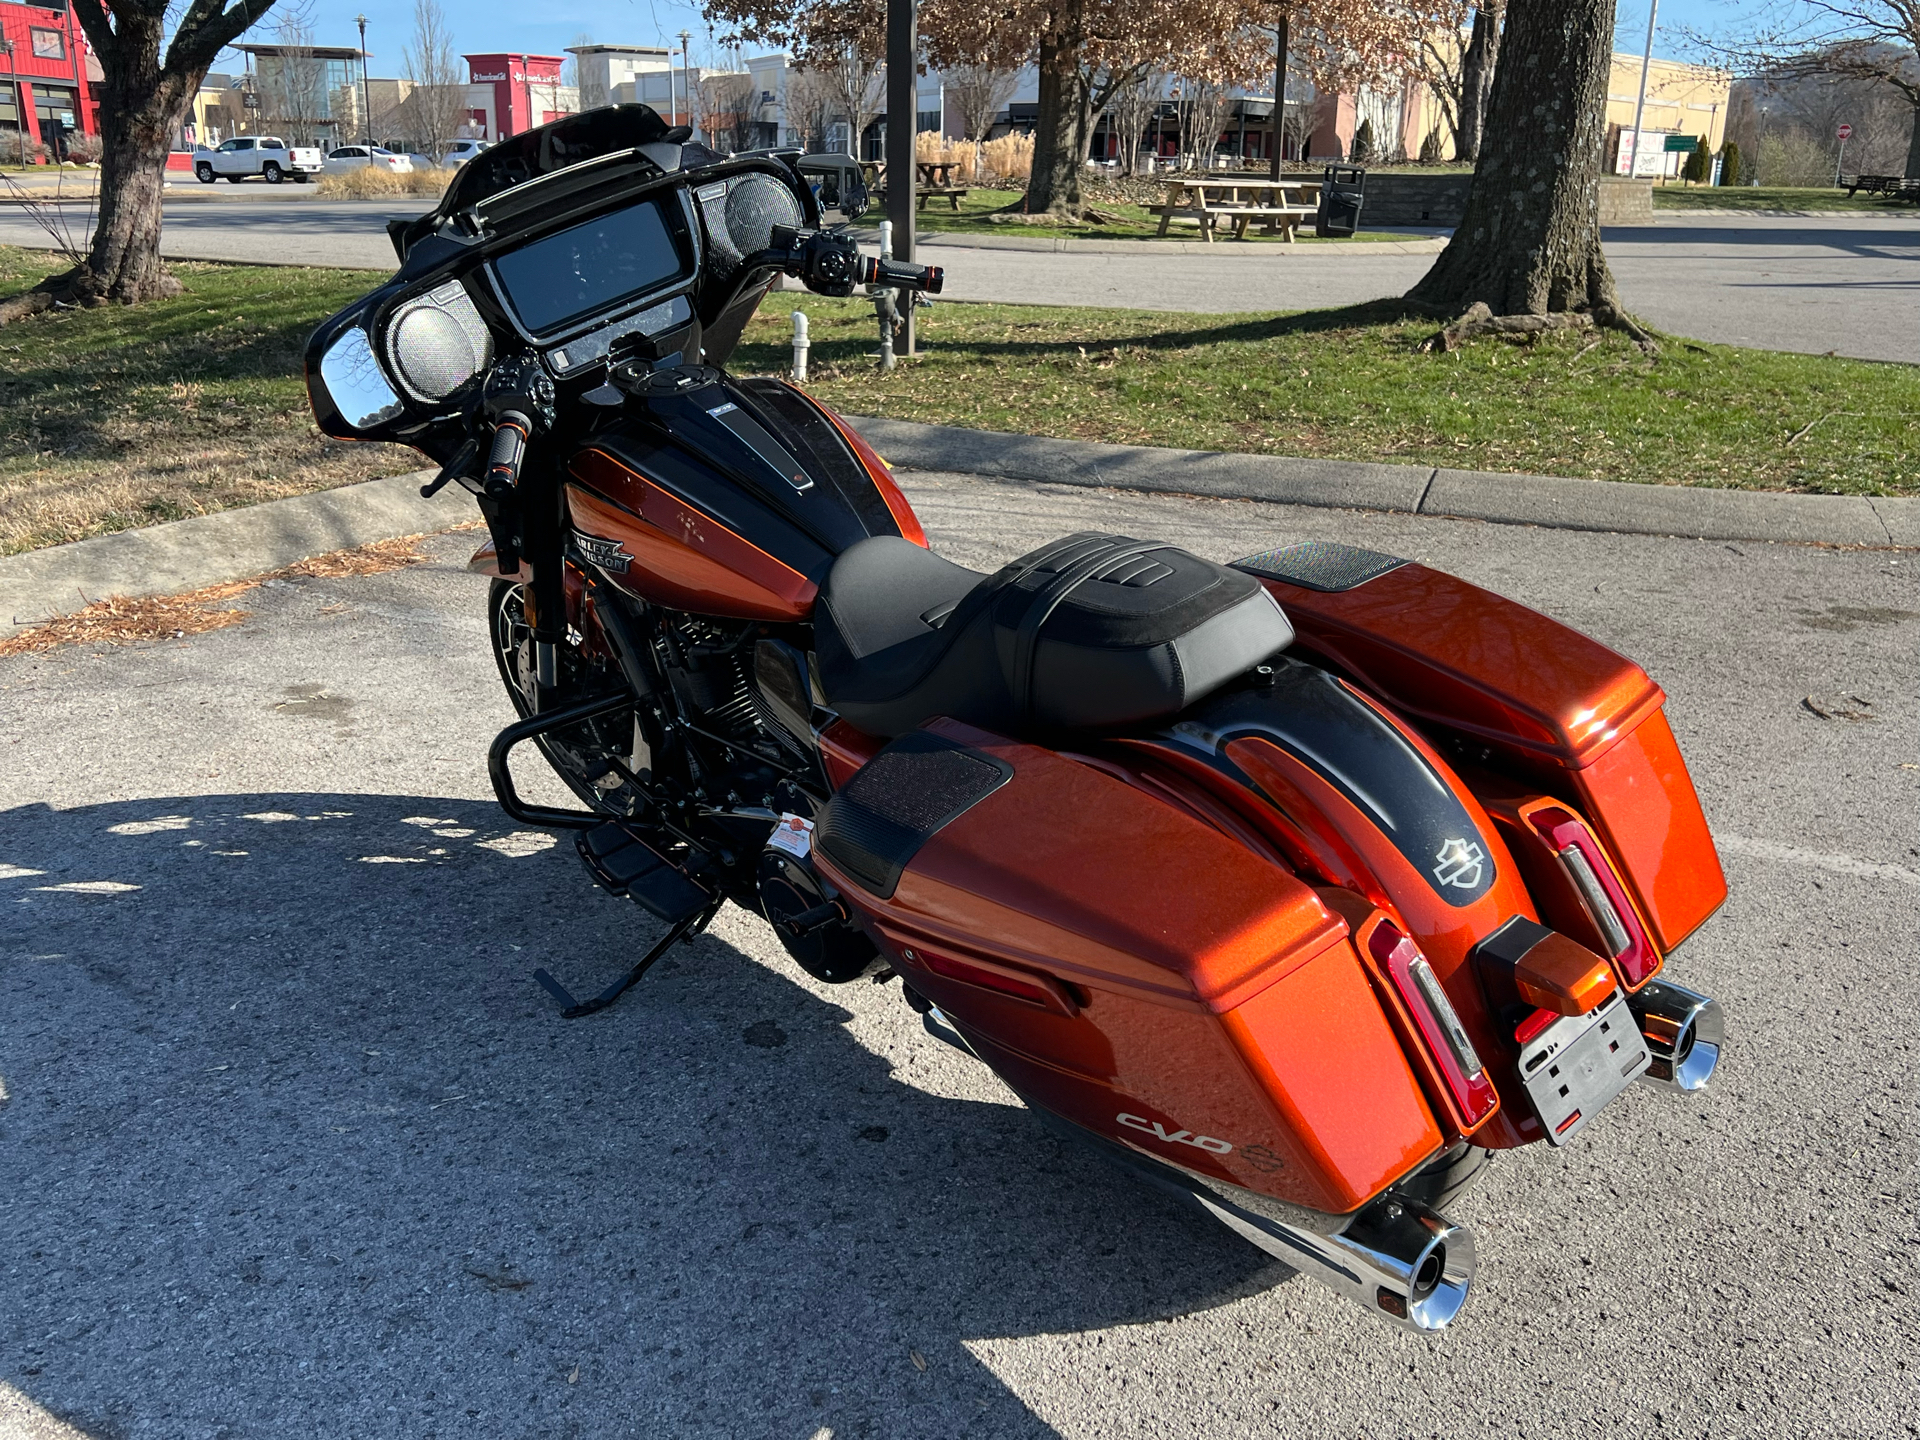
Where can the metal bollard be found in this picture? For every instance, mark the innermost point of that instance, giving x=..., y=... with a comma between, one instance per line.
x=800, y=346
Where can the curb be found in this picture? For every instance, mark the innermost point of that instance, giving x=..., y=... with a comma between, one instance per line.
x=236, y=544
x=1608, y=505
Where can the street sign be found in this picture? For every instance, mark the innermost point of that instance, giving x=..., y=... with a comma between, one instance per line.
x=1681, y=144
x=1845, y=132
x=250, y=101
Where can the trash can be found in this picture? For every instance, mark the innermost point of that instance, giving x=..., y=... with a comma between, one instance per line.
x=1341, y=190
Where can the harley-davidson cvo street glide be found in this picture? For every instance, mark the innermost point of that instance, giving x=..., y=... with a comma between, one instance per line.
x=1298, y=886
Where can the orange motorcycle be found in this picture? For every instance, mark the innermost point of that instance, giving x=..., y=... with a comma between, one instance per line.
x=1296, y=886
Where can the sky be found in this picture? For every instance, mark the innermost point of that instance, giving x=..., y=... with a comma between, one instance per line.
x=481, y=26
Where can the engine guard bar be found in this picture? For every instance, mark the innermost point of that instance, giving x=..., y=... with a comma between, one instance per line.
x=546, y=817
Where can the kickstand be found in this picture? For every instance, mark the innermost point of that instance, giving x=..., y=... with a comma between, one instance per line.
x=572, y=1009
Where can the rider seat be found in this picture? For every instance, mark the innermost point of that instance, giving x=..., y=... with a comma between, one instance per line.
x=1089, y=632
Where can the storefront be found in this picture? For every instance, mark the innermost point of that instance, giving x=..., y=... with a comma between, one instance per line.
x=45, y=98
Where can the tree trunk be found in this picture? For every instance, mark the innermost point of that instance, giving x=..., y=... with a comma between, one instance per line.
x=1059, y=147
x=1529, y=239
x=141, y=109
x=1476, y=81
x=1913, y=148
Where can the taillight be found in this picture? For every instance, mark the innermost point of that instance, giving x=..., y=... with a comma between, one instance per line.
x=1426, y=1000
x=1622, y=935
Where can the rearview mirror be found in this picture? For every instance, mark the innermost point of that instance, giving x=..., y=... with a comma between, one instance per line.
x=354, y=382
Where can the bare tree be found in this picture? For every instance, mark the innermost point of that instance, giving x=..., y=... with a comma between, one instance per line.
x=438, y=100
x=1871, y=40
x=145, y=93
x=979, y=91
x=727, y=112
x=1476, y=79
x=854, y=77
x=809, y=107
x=1133, y=107
x=293, y=83
x=1203, y=111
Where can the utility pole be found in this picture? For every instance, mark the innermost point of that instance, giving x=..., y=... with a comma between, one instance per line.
x=19, y=115
x=366, y=95
x=903, y=122
x=1281, y=39
x=686, y=78
x=1640, y=105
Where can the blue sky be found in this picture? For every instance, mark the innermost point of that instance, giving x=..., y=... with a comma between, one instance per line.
x=548, y=28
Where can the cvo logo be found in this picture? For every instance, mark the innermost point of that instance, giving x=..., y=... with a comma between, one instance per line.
x=1177, y=1137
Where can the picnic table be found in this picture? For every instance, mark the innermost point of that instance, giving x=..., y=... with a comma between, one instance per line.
x=1897, y=187
x=1279, y=206
x=936, y=178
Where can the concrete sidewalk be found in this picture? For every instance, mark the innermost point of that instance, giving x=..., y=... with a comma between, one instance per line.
x=237, y=544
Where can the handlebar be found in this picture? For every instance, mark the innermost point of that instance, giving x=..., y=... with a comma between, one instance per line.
x=509, y=450
x=830, y=264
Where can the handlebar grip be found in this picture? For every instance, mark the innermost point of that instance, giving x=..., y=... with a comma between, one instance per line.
x=907, y=275
x=509, y=449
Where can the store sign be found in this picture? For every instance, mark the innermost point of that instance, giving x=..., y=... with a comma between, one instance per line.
x=489, y=79
x=47, y=45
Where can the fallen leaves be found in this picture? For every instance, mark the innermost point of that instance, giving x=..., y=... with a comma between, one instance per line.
x=118, y=620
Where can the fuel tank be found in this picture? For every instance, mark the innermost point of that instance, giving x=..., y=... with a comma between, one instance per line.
x=1129, y=967
x=728, y=498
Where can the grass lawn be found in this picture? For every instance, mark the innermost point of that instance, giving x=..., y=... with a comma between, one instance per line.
x=1132, y=222
x=1349, y=385
x=1773, y=197
x=113, y=418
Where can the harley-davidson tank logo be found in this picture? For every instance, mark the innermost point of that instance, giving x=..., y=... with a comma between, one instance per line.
x=609, y=555
x=1462, y=863
x=1175, y=1137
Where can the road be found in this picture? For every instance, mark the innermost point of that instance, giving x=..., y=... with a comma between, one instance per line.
x=1841, y=283
x=294, y=1145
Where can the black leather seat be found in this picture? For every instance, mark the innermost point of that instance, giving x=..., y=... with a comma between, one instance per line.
x=1091, y=631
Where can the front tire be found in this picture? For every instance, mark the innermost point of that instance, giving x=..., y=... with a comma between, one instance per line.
x=204, y=174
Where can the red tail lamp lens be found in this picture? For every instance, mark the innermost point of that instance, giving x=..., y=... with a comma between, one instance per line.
x=1592, y=874
x=1426, y=1000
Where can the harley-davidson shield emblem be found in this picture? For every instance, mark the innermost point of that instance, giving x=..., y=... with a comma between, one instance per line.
x=1462, y=863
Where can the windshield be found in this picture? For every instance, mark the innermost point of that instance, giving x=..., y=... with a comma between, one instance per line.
x=590, y=267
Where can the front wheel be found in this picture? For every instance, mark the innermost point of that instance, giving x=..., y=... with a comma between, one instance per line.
x=577, y=754
x=204, y=174
x=271, y=173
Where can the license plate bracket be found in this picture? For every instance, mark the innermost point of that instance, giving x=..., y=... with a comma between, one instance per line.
x=1576, y=1066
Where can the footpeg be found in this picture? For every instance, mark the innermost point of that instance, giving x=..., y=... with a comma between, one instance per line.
x=621, y=863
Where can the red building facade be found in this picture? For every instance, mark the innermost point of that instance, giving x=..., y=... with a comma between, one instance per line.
x=45, y=94
x=524, y=92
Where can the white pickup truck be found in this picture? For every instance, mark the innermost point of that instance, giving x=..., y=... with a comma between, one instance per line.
x=264, y=155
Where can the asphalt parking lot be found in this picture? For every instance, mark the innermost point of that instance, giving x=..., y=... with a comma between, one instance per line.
x=291, y=1144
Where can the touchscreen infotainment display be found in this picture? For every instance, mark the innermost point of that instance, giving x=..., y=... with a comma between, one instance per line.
x=590, y=267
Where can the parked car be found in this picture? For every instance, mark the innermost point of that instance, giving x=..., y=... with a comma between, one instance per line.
x=267, y=156
x=461, y=151
x=419, y=161
x=359, y=157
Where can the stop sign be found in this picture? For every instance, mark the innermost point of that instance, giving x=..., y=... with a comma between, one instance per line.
x=1846, y=132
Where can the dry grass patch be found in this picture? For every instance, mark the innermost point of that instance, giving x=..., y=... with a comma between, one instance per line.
x=118, y=620
x=367, y=183
x=115, y=418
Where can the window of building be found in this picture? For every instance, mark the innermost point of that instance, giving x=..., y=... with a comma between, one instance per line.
x=48, y=44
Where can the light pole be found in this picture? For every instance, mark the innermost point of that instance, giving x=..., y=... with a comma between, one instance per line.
x=19, y=115
x=1640, y=105
x=366, y=100
x=686, y=77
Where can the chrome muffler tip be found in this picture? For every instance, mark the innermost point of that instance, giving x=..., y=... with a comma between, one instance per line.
x=1419, y=1265
x=1685, y=1032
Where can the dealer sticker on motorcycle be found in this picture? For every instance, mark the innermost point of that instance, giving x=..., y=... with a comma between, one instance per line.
x=793, y=835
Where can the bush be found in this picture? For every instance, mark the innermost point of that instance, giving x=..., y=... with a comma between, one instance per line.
x=83, y=149
x=1010, y=158
x=1729, y=164
x=1699, y=166
x=1790, y=158
x=367, y=183
x=1362, y=143
x=1430, y=148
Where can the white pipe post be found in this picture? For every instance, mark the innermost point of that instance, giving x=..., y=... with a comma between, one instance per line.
x=1640, y=105
x=800, y=346
x=886, y=239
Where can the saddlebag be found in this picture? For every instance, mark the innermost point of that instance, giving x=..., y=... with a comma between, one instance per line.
x=1123, y=964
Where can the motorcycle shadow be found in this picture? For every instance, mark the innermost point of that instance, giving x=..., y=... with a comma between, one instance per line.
x=290, y=1140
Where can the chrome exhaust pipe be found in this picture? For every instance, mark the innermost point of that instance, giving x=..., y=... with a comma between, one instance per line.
x=1407, y=1264
x=1685, y=1032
